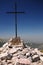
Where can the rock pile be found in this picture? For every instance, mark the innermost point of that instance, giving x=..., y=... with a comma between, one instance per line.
x=20, y=55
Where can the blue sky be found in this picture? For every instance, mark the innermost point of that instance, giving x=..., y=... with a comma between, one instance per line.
x=30, y=24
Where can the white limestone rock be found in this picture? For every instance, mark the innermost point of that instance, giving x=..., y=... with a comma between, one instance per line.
x=24, y=51
x=3, y=55
x=6, y=44
x=4, y=62
x=9, y=61
x=13, y=50
x=24, y=61
x=28, y=54
x=21, y=56
x=38, y=51
x=14, y=60
x=10, y=64
x=33, y=52
x=29, y=58
x=41, y=58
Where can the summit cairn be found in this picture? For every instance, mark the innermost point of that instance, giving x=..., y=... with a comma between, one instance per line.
x=16, y=52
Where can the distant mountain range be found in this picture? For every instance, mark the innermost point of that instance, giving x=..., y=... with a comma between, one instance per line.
x=35, y=45
x=2, y=41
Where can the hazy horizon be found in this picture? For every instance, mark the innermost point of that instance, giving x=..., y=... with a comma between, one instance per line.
x=28, y=38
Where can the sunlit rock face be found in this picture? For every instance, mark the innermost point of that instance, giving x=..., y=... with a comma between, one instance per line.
x=23, y=61
x=15, y=52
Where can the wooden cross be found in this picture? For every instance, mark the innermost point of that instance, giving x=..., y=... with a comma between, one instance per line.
x=15, y=18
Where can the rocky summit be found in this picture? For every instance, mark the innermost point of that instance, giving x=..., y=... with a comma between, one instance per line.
x=19, y=54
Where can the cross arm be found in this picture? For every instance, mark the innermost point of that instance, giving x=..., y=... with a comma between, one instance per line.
x=14, y=12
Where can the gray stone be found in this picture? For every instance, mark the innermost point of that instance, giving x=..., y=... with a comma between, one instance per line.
x=9, y=56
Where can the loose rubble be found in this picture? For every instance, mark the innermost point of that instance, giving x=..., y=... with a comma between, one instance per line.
x=20, y=55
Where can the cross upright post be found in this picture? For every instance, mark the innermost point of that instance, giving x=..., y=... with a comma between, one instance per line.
x=15, y=21
x=15, y=18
